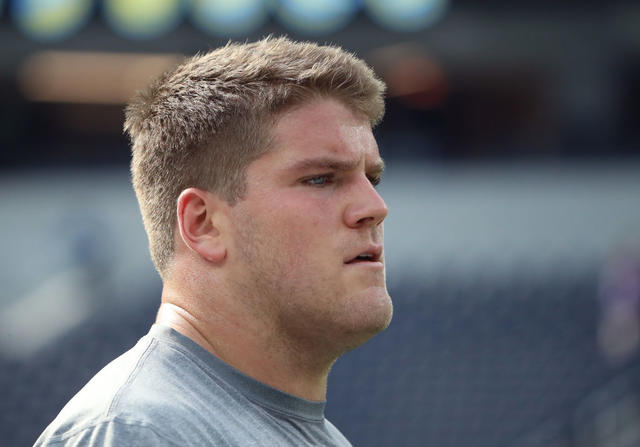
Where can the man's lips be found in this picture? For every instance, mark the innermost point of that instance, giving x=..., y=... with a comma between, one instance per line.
x=369, y=254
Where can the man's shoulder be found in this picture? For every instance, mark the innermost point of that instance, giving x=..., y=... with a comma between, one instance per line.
x=157, y=390
x=111, y=431
x=126, y=399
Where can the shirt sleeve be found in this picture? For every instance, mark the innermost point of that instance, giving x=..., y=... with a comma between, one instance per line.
x=109, y=433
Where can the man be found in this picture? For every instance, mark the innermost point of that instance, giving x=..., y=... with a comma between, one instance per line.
x=255, y=169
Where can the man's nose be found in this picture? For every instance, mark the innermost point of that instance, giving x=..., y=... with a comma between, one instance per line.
x=366, y=206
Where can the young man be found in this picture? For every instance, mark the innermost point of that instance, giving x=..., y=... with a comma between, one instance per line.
x=255, y=169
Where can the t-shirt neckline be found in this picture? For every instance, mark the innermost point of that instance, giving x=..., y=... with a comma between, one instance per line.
x=266, y=396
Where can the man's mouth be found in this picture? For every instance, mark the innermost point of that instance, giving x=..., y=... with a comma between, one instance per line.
x=371, y=254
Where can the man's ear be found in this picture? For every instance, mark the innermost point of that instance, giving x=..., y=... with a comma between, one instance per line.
x=199, y=214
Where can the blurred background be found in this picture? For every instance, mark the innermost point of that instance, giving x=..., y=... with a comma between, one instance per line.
x=512, y=139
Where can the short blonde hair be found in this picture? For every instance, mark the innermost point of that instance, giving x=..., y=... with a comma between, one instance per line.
x=201, y=124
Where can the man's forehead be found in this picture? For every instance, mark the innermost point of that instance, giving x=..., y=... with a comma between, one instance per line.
x=323, y=133
x=310, y=119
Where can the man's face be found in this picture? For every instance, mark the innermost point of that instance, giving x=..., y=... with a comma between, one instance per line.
x=307, y=246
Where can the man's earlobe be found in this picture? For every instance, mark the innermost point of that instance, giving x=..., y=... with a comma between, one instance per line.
x=198, y=213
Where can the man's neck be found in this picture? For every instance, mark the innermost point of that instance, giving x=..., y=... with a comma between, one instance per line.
x=249, y=346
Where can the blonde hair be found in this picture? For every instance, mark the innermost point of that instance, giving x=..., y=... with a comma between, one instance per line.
x=201, y=124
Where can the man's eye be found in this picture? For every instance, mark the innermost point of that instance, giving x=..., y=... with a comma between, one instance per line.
x=319, y=180
x=375, y=181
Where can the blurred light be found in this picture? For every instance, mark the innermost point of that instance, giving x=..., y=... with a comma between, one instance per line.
x=143, y=19
x=419, y=82
x=412, y=75
x=51, y=20
x=228, y=17
x=406, y=15
x=315, y=16
x=90, y=78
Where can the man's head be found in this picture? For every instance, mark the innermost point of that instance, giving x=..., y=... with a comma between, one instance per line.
x=205, y=122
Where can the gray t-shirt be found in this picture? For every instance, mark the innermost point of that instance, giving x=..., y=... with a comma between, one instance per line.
x=169, y=391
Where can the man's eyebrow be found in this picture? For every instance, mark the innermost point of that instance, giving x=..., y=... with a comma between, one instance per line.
x=336, y=165
x=324, y=163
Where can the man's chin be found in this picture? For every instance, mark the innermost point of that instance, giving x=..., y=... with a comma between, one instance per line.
x=372, y=314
